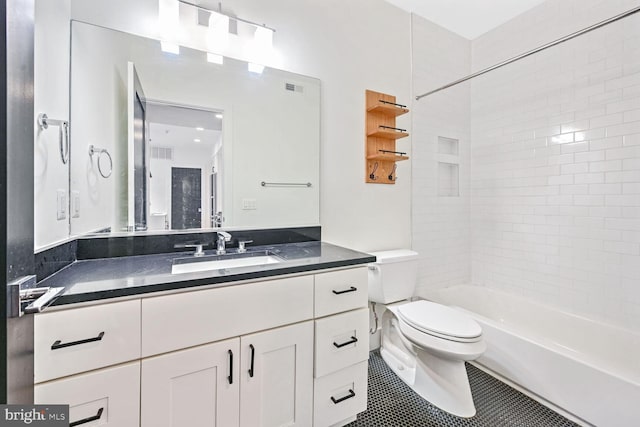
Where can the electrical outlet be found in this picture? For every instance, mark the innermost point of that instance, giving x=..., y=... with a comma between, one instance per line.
x=249, y=204
x=75, y=204
x=61, y=204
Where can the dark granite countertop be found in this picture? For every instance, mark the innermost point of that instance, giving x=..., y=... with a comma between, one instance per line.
x=98, y=279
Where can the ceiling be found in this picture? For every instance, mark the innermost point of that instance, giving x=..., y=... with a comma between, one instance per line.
x=468, y=18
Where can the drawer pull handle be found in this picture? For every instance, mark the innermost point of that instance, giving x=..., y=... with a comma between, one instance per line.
x=88, y=420
x=342, y=399
x=351, y=341
x=253, y=354
x=351, y=289
x=58, y=344
x=230, y=377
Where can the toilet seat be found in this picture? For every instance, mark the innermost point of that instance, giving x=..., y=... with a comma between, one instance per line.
x=439, y=321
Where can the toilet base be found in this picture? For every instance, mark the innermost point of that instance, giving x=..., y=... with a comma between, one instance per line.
x=442, y=382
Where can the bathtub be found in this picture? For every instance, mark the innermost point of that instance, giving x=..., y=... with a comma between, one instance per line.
x=585, y=370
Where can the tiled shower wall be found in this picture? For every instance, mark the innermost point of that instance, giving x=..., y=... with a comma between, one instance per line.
x=549, y=160
x=556, y=162
x=440, y=219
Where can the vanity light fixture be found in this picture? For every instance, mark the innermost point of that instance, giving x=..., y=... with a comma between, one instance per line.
x=255, y=68
x=218, y=33
x=169, y=24
x=169, y=47
x=214, y=58
x=259, y=48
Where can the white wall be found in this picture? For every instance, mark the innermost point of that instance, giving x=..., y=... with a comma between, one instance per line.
x=440, y=224
x=556, y=161
x=51, y=97
x=350, y=46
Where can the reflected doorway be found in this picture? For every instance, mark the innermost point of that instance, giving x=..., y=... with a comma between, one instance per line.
x=186, y=149
x=186, y=198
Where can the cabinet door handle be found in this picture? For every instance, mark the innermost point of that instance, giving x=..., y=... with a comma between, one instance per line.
x=342, y=399
x=230, y=377
x=59, y=344
x=253, y=354
x=88, y=420
x=351, y=341
x=351, y=289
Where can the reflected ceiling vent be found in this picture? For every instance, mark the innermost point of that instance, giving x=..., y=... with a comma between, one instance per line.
x=162, y=153
x=293, y=87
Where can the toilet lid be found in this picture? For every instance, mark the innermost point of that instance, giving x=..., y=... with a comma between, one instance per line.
x=438, y=319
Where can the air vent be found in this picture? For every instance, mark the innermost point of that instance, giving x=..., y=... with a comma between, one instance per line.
x=162, y=153
x=293, y=87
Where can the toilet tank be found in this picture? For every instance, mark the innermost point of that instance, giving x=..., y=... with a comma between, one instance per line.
x=393, y=276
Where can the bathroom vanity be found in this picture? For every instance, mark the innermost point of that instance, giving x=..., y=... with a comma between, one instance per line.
x=271, y=345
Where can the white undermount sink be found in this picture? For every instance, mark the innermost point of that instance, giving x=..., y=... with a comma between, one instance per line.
x=218, y=262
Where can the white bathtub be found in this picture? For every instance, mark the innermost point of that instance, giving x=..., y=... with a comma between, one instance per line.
x=575, y=365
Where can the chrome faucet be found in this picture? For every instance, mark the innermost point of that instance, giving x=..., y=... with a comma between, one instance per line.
x=223, y=237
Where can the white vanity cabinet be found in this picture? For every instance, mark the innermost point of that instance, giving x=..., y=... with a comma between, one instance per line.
x=286, y=351
x=194, y=387
x=276, y=377
x=104, y=397
x=341, y=346
x=262, y=379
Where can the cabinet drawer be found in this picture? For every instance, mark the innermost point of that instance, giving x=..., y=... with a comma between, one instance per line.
x=188, y=319
x=109, y=397
x=77, y=340
x=340, y=396
x=339, y=291
x=341, y=341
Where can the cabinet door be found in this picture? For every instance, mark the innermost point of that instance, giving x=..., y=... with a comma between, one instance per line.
x=107, y=397
x=194, y=387
x=277, y=377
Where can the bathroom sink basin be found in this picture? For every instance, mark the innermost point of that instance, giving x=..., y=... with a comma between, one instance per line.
x=219, y=262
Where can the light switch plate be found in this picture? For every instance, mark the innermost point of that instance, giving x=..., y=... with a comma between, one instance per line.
x=61, y=204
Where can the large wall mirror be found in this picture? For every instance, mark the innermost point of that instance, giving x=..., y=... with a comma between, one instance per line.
x=180, y=143
x=162, y=142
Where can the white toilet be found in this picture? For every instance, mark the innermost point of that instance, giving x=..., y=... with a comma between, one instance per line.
x=424, y=343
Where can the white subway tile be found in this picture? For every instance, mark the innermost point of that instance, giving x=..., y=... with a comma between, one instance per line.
x=628, y=248
x=624, y=176
x=631, y=140
x=591, y=156
x=606, y=166
x=606, y=143
x=605, y=188
x=589, y=178
x=590, y=200
x=624, y=200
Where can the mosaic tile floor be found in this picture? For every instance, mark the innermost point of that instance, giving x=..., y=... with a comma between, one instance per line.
x=391, y=403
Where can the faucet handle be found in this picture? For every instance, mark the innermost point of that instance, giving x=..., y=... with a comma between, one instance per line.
x=241, y=243
x=198, y=247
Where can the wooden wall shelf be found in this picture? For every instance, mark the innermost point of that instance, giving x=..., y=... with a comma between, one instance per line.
x=387, y=110
x=387, y=157
x=381, y=110
x=388, y=134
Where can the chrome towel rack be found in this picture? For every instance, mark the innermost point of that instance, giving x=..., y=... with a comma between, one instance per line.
x=63, y=133
x=285, y=184
x=100, y=151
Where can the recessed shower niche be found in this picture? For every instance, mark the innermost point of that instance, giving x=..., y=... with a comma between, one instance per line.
x=448, y=167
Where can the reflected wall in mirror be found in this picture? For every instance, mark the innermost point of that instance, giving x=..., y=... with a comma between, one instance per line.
x=190, y=141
